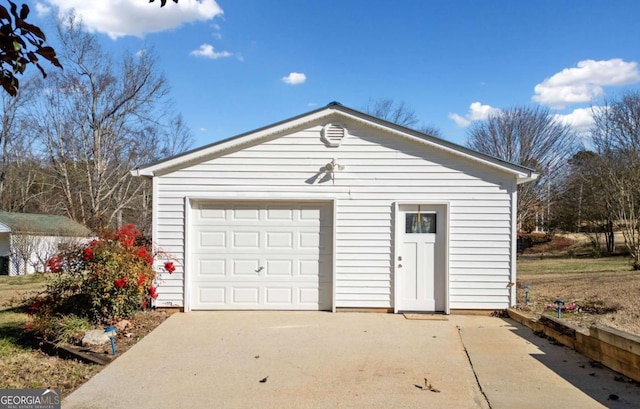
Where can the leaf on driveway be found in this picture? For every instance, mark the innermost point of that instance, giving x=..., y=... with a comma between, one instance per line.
x=427, y=386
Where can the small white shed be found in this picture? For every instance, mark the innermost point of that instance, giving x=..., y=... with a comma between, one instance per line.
x=28, y=240
x=335, y=209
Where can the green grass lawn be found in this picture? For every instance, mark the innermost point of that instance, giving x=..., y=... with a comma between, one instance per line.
x=24, y=282
x=11, y=331
x=578, y=266
x=13, y=289
x=22, y=366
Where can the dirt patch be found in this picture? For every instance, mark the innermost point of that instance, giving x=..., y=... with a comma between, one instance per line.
x=141, y=324
x=603, y=290
x=540, y=243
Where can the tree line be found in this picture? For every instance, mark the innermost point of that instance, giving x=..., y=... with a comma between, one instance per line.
x=68, y=141
x=589, y=182
x=602, y=188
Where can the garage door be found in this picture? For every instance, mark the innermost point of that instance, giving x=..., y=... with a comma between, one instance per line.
x=260, y=256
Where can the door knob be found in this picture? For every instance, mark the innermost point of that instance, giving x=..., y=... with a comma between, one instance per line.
x=399, y=265
x=399, y=258
x=260, y=269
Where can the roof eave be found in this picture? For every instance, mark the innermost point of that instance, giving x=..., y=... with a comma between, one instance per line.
x=155, y=168
x=528, y=178
x=151, y=170
x=137, y=172
x=444, y=145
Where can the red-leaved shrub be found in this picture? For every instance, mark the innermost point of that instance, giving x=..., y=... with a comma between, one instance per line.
x=104, y=280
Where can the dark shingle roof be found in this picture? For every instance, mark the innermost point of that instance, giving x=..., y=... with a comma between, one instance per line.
x=42, y=224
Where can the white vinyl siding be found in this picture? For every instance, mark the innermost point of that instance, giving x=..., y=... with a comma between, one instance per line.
x=379, y=170
x=41, y=248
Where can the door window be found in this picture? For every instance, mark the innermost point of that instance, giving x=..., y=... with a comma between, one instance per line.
x=420, y=223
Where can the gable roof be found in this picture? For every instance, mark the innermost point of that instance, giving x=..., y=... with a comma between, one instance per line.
x=334, y=111
x=41, y=224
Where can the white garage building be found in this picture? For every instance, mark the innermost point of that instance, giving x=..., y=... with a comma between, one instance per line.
x=335, y=209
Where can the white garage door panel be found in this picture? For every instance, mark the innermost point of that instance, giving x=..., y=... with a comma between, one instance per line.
x=239, y=296
x=247, y=266
x=261, y=256
x=308, y=239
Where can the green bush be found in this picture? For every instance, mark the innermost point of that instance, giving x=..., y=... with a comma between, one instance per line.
x=60, y=329
x=103, y=281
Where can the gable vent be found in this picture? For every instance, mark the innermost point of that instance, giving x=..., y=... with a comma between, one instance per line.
x=333, y=134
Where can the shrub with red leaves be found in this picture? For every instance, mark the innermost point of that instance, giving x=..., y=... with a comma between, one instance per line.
x=153, y=293
x=54, y=264
x=120, y=282
x=169, y=267
x=104, y=280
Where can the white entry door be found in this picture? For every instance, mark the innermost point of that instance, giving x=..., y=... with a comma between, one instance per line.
x=420, y=259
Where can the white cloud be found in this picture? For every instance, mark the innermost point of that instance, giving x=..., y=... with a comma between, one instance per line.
x=216, y=34
x=477, y=112
x=461, y=121
x=207, y=51
x=585, y=82
x=294, y=78
x=581, y=119
x=42, y=9
x=119, y=18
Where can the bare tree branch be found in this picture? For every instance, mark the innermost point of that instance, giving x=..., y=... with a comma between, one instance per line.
x=101, y=119
x=398, y=113
x=530, y=137
x=616, y=137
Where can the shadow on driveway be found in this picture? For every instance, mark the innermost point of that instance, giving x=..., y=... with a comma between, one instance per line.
x=604, y=385
x=516, y=368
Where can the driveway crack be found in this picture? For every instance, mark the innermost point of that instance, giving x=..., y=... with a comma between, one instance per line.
x=486, y=398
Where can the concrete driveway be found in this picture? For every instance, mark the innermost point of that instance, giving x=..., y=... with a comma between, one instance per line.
x=348, y=360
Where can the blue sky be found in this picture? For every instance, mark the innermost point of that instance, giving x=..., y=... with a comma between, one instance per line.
x=237, y=65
